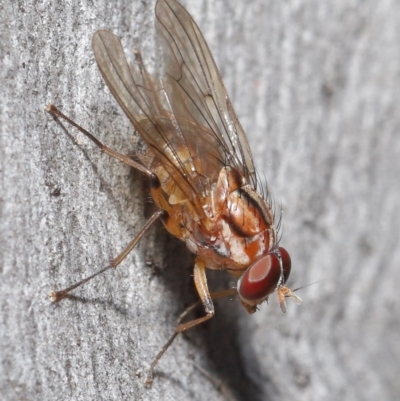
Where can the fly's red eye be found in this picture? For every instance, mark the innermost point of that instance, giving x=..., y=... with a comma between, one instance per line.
x=260, y=279
x=286, y=263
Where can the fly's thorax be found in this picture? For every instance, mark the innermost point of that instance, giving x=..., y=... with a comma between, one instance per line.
x=233, y=229
x=247, y=212
x=246, y=220
x=240, y=204
x=240, y=229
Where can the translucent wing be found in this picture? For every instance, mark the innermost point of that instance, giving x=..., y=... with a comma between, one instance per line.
x=191, y=67
x=186, y=119
x=181, y=166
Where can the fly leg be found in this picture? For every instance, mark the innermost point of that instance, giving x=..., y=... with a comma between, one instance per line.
x=206, y=298
x=56, y=296
x=200, y=281
x=155, y=185
x=53, y=110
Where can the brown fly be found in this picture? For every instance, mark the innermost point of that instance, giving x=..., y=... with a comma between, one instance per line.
x=198, y=162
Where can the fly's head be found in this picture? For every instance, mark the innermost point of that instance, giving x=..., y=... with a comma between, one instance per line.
x=267, y=275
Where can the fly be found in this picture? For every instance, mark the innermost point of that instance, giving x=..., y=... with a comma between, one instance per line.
x=199, y=164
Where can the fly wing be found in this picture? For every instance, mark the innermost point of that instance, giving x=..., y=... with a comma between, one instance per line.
x=191, y=71
x=146, y=103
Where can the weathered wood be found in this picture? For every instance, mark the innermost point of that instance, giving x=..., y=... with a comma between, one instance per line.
x=317, y=87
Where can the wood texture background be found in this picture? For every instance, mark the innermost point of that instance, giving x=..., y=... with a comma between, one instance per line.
x=317, y=88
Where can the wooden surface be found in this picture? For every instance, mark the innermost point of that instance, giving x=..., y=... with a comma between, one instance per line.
x=317, y=88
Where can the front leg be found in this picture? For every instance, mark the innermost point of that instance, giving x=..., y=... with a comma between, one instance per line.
x=200, y=280
x=206, y=298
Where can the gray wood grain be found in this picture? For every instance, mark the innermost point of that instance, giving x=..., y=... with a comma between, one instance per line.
x=317, y=87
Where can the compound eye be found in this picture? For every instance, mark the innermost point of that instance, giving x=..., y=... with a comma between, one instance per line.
x=260, y=279
x=286, y=263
